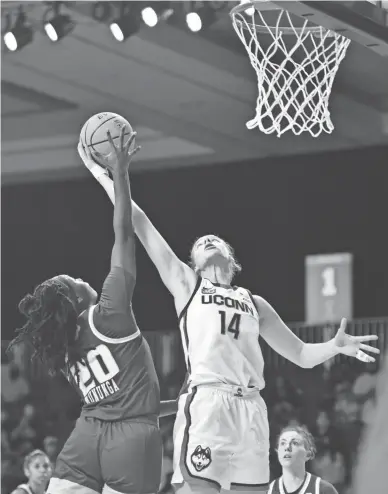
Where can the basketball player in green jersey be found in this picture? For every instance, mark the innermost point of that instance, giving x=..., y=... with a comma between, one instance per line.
x=221, y=433
x=295, y=447
x=116, y=445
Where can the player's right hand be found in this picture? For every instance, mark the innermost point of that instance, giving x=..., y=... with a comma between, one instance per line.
x=121, y=156
x=95, y=169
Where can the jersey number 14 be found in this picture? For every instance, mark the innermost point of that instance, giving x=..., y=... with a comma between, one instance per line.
x=233, y=326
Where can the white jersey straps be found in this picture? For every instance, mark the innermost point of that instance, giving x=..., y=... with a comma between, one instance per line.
x=220, y=336
x=311, y=485
x=25, y=487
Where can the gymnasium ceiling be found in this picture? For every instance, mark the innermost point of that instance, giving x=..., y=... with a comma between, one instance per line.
x=189, y=97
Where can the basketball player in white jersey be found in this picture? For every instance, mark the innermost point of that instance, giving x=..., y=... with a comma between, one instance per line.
x=221, y=437
x=294, y=448
x=38, y=470
x=371, y=473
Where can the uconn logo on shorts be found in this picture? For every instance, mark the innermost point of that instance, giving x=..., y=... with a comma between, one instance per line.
x=201, y=458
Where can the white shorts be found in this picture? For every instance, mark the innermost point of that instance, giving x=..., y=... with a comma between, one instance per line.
x=221, y=438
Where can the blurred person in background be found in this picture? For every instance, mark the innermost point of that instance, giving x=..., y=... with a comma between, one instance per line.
x=346, y=420
x=50, y=446
x=331, y=464
x=14, y=386
x=323, y=431
x=25, y=429
x=295, y=447
x=220, y=330
x=37, y=468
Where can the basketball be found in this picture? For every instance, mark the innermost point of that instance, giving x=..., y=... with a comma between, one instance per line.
x=93, y=133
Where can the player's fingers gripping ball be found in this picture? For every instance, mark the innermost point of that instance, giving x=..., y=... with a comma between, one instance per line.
x=94, y=135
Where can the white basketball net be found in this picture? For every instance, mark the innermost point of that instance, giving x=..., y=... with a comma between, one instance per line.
x=293, y=95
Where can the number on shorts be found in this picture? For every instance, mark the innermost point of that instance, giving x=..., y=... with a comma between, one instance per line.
x=234, y=325
x=98, y=367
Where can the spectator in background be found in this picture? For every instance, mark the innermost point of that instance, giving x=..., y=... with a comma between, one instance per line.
x=347, y=423
x=50, y=446
x=13, y=385
x=364, y=391
x=323, y=432
x=331, y=465
x=37, y=468
x=25, y=430
x=5, y=442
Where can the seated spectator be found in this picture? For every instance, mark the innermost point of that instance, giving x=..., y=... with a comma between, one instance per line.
x=50, y=446
x=330, y=465
x=13, y=385
x=25, y=430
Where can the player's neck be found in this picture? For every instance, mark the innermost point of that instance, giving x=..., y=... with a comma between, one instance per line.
x=36, y=488
x=216, y=274
x=293, y=477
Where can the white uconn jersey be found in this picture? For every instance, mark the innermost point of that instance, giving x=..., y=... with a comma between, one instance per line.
x=220, y=335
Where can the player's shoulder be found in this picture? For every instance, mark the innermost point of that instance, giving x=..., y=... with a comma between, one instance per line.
x=21, y=489
x=273, y=487
x=326, y=488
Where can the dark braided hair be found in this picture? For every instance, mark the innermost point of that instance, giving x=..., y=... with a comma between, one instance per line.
x=51, y=326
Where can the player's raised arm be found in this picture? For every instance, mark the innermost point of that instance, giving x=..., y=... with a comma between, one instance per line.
x=123, y=253
x=280, y=337
x=175, y=274
x=113, y=315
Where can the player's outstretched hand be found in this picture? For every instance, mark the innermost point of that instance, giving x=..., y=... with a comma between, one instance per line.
x=121, y=156
x=353, y=346
x=95, y=169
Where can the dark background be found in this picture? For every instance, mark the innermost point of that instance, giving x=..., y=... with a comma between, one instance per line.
x=273, y=212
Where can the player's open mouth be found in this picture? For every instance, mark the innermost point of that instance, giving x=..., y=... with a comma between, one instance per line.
x=287, y=456
x=209, y=246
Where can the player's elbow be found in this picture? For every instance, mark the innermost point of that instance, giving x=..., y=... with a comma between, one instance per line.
x=306, y=365
x=303, y=359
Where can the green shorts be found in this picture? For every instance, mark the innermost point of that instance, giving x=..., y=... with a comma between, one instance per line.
x=125, y=455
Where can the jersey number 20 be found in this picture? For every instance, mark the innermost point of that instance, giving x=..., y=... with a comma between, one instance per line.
x=233, y=326
x=98, y=367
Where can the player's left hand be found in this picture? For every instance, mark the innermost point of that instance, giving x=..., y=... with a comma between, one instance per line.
x=353, y=346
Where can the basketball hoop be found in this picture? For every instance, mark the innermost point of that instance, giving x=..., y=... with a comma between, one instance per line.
x=295, y=62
